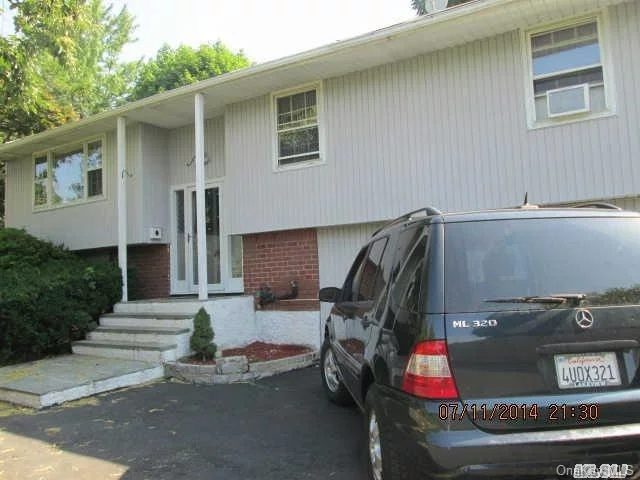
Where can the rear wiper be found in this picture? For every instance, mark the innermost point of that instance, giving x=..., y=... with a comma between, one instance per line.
x=553, y=298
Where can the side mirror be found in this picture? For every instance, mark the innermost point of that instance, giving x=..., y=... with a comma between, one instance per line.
x=329, y=294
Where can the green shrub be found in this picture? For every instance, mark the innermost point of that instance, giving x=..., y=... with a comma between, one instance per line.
x=48, y=296
x=202, y=336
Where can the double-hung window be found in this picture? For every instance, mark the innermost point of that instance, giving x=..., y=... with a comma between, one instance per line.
x=568, y=72
x=297, y=127
x=70, y=174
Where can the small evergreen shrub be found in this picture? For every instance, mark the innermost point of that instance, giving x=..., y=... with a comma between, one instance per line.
x=202, y=336
x=48, y=296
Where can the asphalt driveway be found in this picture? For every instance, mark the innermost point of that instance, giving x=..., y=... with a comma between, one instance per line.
x=278, y=428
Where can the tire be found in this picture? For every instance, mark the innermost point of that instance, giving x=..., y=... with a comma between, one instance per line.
x=331, y=381
x=382, y=461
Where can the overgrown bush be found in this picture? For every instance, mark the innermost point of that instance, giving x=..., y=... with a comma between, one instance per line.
x=48, y=296
x=202, y=336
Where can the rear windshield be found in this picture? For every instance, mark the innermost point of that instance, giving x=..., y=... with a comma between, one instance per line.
x=487, y=260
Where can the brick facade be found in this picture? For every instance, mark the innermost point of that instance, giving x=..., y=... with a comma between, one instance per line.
x=151, y=269
x=149, y=266
x=276, y=258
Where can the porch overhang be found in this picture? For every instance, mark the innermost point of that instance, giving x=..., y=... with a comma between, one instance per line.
x=448, y=28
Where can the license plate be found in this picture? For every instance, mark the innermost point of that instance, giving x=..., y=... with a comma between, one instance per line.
x=586, y=370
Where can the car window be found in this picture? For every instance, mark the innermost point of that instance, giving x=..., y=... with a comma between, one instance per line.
x=406, y=241
x=371, y=281
x=350, y=287
x=409, y=283
x=599, y=257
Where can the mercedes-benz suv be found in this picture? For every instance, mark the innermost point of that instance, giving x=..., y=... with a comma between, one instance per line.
x=501, y=343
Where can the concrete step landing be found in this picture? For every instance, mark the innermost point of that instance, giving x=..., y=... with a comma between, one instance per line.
x=130, y=350
x=52, y=381
x=147, y=320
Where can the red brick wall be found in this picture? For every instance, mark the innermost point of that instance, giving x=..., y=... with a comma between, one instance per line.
x=276, y=258
x=150, y=264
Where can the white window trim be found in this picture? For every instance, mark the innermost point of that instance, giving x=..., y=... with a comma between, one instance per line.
x=602, y=19
x=49, y=155
x=273, y=111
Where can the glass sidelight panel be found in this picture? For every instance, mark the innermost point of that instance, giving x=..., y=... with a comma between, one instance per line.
x=181, y=265
x=212, y=216
x=236, y=256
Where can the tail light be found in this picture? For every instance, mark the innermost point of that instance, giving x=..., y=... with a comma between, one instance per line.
x=428, y=374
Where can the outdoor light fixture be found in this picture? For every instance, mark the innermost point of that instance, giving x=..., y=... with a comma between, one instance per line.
x=206, y=159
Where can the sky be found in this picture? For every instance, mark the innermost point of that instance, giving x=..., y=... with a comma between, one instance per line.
x=264, y=29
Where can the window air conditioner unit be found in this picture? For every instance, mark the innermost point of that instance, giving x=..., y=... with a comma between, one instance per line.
x=433, y=6
x=568, y=100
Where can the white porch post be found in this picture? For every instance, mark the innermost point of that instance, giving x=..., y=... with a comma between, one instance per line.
x=201, y=225
x=122, y=203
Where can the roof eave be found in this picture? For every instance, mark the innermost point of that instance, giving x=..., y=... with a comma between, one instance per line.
x=8, y=149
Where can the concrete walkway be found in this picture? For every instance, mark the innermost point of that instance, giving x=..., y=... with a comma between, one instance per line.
x=278, y=428
x=56, y=380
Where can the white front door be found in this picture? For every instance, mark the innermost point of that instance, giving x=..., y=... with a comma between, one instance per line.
x=184, y=248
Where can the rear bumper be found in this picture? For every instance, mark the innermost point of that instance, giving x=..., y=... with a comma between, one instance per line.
x=458, y=449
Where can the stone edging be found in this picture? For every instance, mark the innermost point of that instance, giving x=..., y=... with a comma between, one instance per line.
x=244, y=372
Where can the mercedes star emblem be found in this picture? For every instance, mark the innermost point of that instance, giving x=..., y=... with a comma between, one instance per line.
x=584, y=319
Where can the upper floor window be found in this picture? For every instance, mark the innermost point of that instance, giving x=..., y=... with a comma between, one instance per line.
x=568, y=72
x=297, y=127
x=69, y=174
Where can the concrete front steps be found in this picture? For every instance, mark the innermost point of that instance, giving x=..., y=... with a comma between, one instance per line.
x=149, y=331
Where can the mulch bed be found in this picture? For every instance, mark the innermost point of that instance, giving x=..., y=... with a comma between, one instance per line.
x=261, y=351
x=256, y=352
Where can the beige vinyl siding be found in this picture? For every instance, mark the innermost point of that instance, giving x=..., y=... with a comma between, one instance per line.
x=181, y=149
x=627, y=203
x=337, y=249
x=135, y=181
x=446, y=129
x=86, y=225
x=155, y=192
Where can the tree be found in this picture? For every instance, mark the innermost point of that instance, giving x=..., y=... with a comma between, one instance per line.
x=420, y=5
x=201, y=341
x=173, y=68
x=61, y=64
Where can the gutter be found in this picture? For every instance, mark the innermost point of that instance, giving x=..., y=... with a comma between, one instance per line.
x=384, y=34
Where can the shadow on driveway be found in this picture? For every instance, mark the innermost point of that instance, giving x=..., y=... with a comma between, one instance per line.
x=278, y=428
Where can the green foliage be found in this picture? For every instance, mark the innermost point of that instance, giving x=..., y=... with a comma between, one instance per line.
x=61, y=64
x=2, y=184
x=420, y=8
x=615, y=296
x=202, y=336
x=48, y=296
x=173, y=68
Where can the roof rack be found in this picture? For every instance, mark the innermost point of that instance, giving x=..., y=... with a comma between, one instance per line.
x=428, y=211
x=605, y=205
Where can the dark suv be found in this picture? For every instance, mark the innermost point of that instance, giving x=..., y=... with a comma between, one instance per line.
x=497, y=344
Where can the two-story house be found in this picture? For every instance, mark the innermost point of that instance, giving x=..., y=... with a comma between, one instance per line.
x=280, y=171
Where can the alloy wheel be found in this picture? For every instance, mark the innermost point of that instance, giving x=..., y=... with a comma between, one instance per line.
x=375, y=449
x=331, y=371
